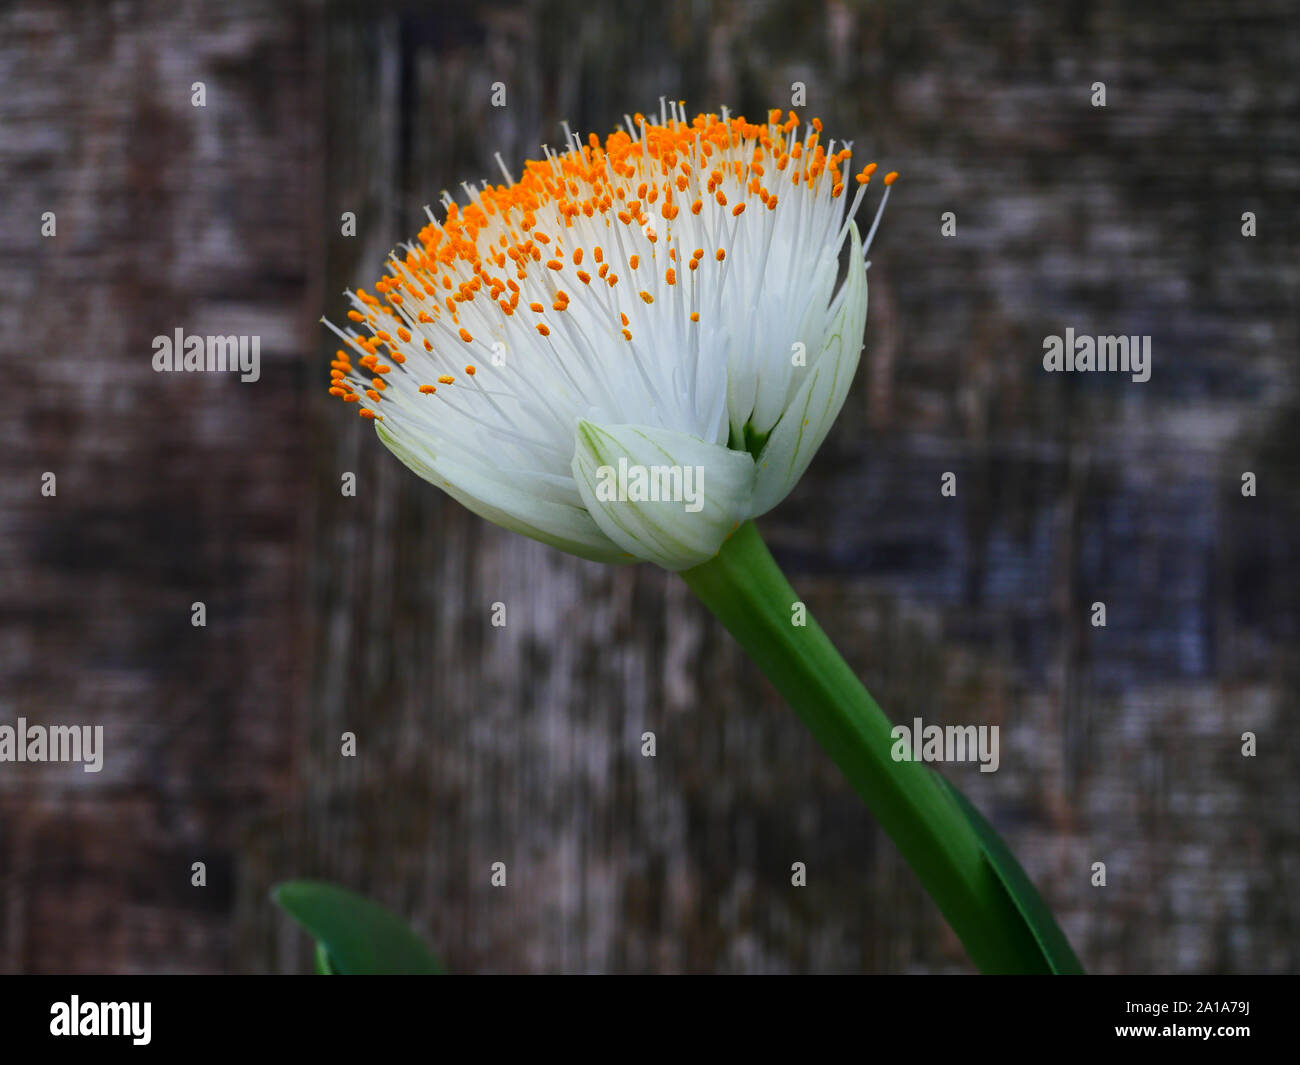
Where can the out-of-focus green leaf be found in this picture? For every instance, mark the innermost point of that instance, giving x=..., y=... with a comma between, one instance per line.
x=354, y=936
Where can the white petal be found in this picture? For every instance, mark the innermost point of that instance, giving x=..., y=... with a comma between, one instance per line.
x=500, y=498
x=818, y=400
x=715, y=485
x=776, y=373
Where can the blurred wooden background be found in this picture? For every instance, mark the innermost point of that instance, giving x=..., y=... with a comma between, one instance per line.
x=477, y=744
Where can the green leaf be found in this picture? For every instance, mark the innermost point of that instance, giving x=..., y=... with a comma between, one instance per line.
x=323, y=966
x=355, y=936
x=1057, y=952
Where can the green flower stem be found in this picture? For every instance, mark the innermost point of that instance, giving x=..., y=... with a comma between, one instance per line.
x=974, y=880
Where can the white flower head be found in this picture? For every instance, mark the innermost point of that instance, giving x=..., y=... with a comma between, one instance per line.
x=632, y=349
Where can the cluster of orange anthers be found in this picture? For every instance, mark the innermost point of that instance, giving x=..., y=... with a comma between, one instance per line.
x=481, y=252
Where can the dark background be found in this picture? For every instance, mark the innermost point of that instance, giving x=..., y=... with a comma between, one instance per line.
x=329, y=614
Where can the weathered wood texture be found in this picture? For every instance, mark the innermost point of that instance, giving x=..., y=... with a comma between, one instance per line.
x=522, y=744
